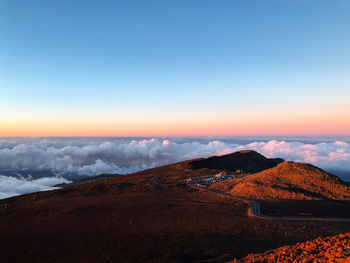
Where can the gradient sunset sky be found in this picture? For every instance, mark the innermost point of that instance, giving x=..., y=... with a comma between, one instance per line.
x=161, y=68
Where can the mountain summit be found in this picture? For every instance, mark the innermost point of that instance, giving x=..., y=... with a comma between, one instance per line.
x=247, y=161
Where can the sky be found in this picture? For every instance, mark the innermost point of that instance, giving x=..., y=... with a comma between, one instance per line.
x=174, y=68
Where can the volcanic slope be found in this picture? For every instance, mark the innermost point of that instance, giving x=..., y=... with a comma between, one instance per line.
x=288, y=180
x=128, y=219
x=319, y=250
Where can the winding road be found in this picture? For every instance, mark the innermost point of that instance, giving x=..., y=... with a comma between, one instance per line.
x=254, y=209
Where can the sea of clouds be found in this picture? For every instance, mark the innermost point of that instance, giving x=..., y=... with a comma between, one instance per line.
x=37, y=164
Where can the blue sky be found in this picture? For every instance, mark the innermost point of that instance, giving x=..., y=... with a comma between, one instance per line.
x=124, y=61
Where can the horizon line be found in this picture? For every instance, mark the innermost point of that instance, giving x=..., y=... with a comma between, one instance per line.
x=173, y=136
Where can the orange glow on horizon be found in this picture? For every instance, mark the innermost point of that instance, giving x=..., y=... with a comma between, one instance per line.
x=180, y=124
x=179, y=129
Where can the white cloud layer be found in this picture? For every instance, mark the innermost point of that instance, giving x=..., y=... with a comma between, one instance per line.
x=11, y=186
x=77, y=160
x=333, y=157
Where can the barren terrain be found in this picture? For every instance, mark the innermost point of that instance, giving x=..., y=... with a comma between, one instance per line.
x=288, y=180
x=320, y=250
x=151, y=216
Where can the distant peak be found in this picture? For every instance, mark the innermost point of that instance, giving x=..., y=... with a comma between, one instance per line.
x=245, y=152
x=247, y=161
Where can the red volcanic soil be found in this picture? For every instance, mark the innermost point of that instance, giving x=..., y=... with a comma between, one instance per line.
x=320, y=250
x=246, y=161
x=127, y=219
x=288, y=180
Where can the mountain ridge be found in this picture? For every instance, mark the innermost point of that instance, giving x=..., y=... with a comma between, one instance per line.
x=288, y=180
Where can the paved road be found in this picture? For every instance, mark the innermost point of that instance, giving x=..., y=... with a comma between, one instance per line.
x=254, y=209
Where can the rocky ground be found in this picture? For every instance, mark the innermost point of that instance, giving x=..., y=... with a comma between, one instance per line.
x=328, y=249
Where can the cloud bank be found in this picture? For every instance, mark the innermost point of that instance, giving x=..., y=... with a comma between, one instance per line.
x=333, y=157
x=11, y=186
x=70, y=161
